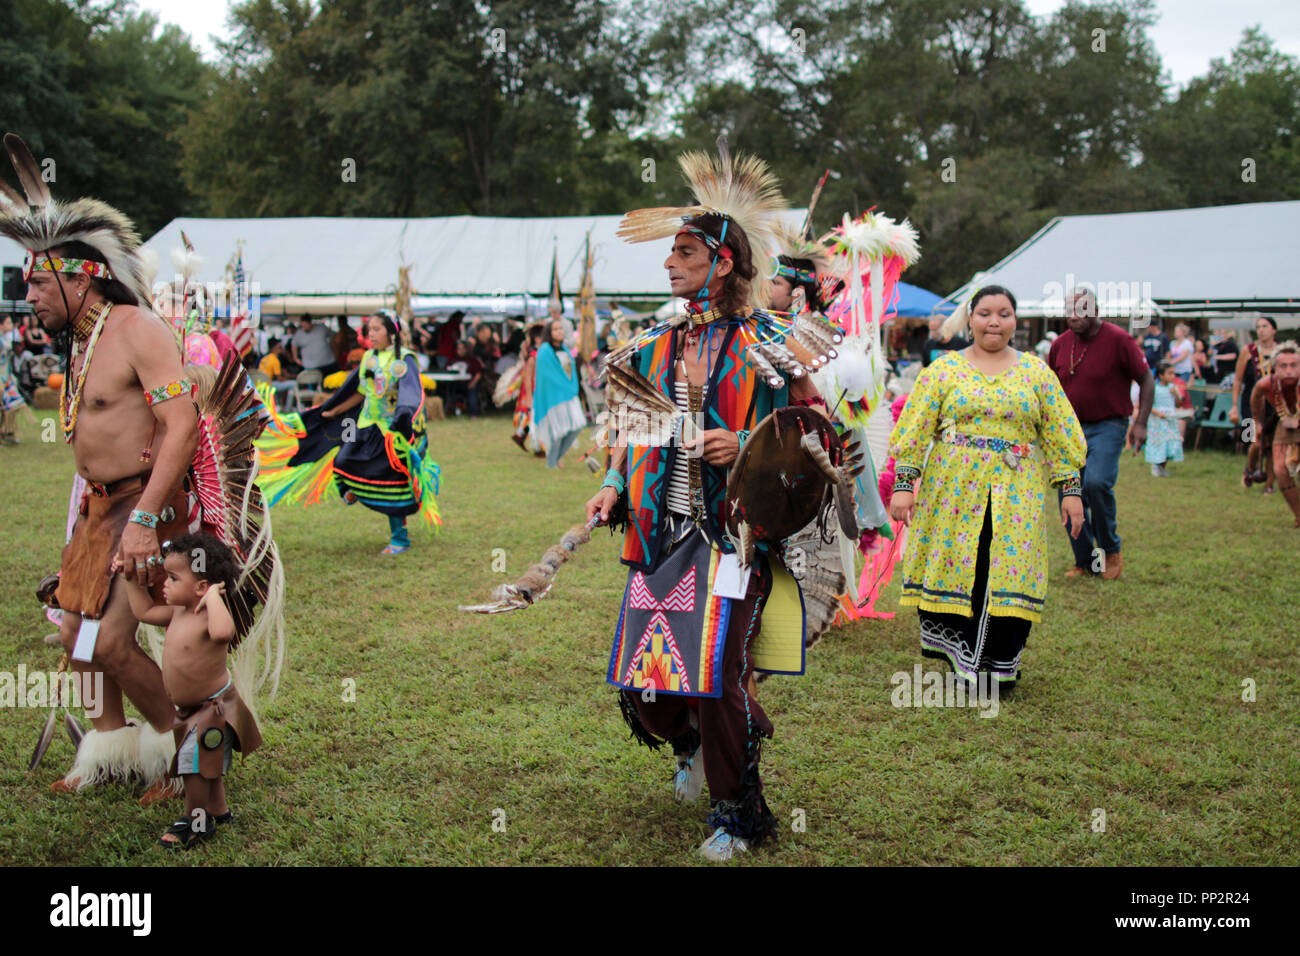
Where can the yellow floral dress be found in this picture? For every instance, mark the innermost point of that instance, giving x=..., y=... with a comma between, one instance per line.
x=996, y=440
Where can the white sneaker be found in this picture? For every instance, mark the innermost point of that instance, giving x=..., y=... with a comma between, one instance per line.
x=722, y=846
x=1155, y=471
x=689, y=779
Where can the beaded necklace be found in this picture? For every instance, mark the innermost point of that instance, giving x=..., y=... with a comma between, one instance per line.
x=1075, y=362
x=70, y=397
x=1283, y=407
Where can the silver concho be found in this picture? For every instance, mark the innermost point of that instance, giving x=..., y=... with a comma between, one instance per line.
x=167, y=514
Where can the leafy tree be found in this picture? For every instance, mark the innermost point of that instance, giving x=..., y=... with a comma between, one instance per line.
x=101, y=91
x=1245, y=110
x=446, y=108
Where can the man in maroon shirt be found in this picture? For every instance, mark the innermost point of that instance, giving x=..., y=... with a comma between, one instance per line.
x=1095, y=362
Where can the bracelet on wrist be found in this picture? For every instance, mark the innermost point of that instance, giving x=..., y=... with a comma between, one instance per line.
x=743, y=436
x=1071, y=486
x=614, y=479
x=906, y=477
x=144, y=518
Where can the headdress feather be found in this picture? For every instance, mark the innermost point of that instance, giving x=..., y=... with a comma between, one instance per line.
x=29, y=172
x=741, y=188
x=47, y=224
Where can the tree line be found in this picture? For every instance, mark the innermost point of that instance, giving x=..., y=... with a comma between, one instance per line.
x=974, y=119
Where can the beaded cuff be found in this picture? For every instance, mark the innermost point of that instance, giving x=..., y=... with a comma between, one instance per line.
x=906, y=477
x=743, y=436
x=163, y=392
x=614, y=479
x=1071, y=486
x=145, y=518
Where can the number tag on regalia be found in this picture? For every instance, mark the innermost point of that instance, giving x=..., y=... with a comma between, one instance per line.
x=84, y=649
x=731, y=579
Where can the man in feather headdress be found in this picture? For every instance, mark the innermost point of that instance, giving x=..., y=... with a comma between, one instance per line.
x=796, y=287
x=690, y=614
x=132, y=444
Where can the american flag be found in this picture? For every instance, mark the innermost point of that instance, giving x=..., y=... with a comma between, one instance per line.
x=241, y=326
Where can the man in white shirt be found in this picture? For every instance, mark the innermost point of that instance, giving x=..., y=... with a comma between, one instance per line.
x=312, y=348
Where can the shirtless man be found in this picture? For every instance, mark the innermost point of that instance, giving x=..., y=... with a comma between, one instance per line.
x=211, y=718
x=1281, y=389
x=127, y=414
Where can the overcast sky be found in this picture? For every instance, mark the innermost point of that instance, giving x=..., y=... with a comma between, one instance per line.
x=1188, y=35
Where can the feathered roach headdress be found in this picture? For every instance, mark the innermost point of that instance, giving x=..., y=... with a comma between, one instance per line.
x=39, y=224
x=804, y=261
x=742, y=190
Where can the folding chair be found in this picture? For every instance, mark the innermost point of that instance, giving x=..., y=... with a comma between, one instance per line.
x=308, y=390
x=1218, y=417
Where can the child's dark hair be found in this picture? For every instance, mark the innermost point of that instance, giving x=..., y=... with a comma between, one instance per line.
x=1162, y=367
x=210, y=560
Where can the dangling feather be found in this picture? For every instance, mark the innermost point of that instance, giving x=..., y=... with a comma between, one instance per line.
x=43, y=741
x=641, y=413
x=47, y=730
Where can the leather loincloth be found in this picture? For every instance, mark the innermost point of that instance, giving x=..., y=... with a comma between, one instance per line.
x=84, y=576
x=211, y=722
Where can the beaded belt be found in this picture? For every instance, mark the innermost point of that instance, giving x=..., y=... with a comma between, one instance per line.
x=101, y=490
x=1010, y=451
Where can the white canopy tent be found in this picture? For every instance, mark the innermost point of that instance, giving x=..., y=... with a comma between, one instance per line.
x=477, y=264
x=1188, y=262
x=477, y=258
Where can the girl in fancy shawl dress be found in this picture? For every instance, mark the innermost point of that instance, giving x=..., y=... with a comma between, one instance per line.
x=557, y=416
x=376, y=456
x=998, y=429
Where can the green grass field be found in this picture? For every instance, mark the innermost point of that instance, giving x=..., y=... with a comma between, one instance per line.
x=1131, y=702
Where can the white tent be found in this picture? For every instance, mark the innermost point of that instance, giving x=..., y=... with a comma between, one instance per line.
x=1180, y=261
x=462, y=256
x=492, y=261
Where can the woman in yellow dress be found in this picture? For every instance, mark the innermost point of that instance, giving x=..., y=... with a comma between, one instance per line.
x=1001, y=429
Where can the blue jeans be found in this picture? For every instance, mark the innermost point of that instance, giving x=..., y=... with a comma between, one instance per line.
x=398, y=536
x=560, y=447
x=1105, y=444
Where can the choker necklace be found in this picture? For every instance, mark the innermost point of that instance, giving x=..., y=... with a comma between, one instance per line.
x=697, y=319
x=70, y=396
x=83, y=326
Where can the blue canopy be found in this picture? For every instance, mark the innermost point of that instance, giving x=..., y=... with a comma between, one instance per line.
x=915, y=303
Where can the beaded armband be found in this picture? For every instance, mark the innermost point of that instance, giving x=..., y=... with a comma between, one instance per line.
x=614, y=479
x=906, y=477
x=1071, y=486
x=145, y=518
x=163, y=392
